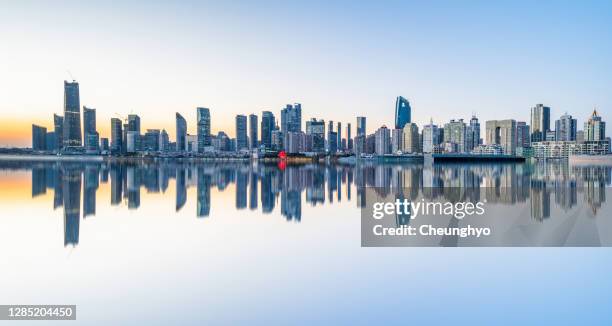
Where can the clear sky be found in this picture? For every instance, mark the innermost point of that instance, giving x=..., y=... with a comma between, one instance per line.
x=342, y=59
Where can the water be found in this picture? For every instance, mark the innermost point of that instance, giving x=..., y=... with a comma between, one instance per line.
x=241, y=243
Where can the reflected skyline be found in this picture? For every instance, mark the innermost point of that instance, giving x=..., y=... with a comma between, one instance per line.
x=269, y=187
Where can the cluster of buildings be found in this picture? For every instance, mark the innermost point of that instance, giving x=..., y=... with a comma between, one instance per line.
x=502, y=137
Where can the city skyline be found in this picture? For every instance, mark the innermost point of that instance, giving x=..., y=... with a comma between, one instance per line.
x=464, y=58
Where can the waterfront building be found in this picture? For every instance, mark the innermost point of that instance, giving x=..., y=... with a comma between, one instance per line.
x=193, y=143
x=523, y=136
x=488, y=149
x=291, y=118
x=595, y=128
x=50, y=141
x=370, y=144
x=277, y=139
x=72, y=115
x=397, y=140
x=164, y=141
x=181, y=133
x=332, y=138
x=454, y=133
x=402, y=112
x=383, y=140
x=503, y=133
x=116, y=136
x=89, y=121
x=92, y=143
x=203, y=128
x=361, y=126
x=316, y=129
x=241, y=132
x=254, y=140
x=339, y=135
x=134, y=127
x=430, y=137
x=349, y=139
x=410, y=143
x=104, y=145
x=295, y=142
x=472, y=135
x=540, y=122
x=565, y=128
x=39, y=138
x=267, y=126
x=151, y=140
x=58, y=125
x=551, y=135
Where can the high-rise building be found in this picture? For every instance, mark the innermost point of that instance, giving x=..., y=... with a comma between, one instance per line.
x=565, y=128
x=241, y=132
x=50, y=141
x=454, y=134
x=472, y=135
x=254, y=140
x=402, y=112
x=397, y=140
x=523, y=136
x=39, y=138
x=349, y=139
x=540, y=122
x=267, y=126
x=595, y=128
x=116, y=136
x=316, y=128
x=104, y=145
x=164, y=141
x=332, y=138
x=503, y=133
x=383, y=141
x=411, y=138
x=58, y=125
x=430, y=137
x=89, y=121
x=72, y=115
x=203, y=116
x=291, y=118
x=361, y=126
x=151, y=140
x=339, y=137
x=181, y=133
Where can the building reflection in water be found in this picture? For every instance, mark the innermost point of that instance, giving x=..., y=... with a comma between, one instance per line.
x=541, y=185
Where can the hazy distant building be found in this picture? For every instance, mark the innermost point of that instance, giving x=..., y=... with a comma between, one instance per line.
x=402, y=112
x=472, y=134
x=291, y=118
x=383, y=140
x=565, y=128
x=595, y=128
x=39, y=138
x=72, y=115
x=267, y=126
x=253, y=133
x=116, y=136
x=316, y=129
x=181, y=133
x=361, y=126
x=410, y=138
x=430, y=137
x=203, y=125
x=503, y=133
x=241, y=132
x=454, y=134
x=540, y=122
x=523, y=136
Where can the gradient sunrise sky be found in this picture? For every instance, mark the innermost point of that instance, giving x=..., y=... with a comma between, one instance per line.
x=340, y=59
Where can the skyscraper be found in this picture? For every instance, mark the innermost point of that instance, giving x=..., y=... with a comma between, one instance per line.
x=402, y=112
x=254, y=141
x=397, y=140
x=540, y=122
x=134, y=130
x=595, y=128
x=383, y=141
x=339, y=137
x=349, y=139
x=58, y=124
x=472, y=134
x=203, y=116
x=39, y=138
x=291, y=118
x=116, y=136
x=72, y=115
x=523, y=137
x=411, y=137
x=267, y=126
x=430, y=137
x=454, y=133
x=89, y=121
x=181, y=133
x=565, y=128
x=332, y=138
x=503, y=133
x=316, y=128
x=361, y=126
x=241, y=132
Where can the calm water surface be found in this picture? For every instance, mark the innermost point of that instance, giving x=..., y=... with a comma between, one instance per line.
x=229, y=243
